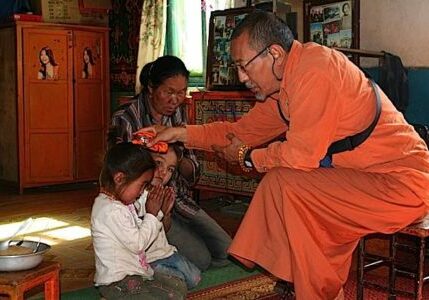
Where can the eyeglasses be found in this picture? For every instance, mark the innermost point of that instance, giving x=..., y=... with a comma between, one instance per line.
x=242, y=68
x=170, y=93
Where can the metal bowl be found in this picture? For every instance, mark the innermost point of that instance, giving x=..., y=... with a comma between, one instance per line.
x=24, y=261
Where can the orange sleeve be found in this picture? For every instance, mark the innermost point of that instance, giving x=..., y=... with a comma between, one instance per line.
x=261, y=124
x=314, y=112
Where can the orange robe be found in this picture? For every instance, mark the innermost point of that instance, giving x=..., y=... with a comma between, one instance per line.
x=304, y=222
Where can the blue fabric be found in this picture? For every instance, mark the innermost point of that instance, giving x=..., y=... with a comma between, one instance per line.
x=178, y=266
x=200, y=239
x=326, y=162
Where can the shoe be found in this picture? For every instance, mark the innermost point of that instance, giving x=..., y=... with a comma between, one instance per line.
x=285, y=289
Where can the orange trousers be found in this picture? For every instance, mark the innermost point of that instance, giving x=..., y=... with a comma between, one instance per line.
x=304, y=226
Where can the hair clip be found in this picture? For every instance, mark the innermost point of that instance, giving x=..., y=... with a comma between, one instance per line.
x=144, y=137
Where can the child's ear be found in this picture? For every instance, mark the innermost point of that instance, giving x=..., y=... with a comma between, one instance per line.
x=119, y=178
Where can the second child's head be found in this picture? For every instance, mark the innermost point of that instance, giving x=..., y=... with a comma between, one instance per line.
x=166, y=165
x=126, y=171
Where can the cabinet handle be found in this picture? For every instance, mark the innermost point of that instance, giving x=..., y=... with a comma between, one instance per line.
x=70, y=39
x=98, y=48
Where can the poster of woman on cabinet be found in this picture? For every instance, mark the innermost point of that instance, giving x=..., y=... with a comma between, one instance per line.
x=48, y=66
x=88, y=62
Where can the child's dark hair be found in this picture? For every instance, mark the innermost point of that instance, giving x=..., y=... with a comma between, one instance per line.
x=130, y=159
x=155, y=73
x=178, y=149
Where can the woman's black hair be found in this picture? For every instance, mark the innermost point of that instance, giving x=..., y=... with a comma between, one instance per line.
x=91, y=61
x=344, y=5
x=155, y=73
x=178, y=149
x=89, y=53
x=49, y=54
x=128, y=158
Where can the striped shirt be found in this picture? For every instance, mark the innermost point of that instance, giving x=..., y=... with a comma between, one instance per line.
x=132, y=116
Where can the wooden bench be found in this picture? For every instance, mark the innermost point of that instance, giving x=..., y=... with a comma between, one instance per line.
x=15, y=284
x=414, y=237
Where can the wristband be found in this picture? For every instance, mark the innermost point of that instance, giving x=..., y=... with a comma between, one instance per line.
x=248, y=159
x=242, y=152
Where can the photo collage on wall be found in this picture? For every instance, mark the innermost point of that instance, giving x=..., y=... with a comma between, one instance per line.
x=331, y=24
x=222, y=71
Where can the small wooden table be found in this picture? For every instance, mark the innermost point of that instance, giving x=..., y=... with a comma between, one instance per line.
x=15, y=284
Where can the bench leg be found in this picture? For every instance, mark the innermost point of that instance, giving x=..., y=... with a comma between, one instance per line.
x=13, y=292
x=360, y=268
x=392, y=267
x=420, y=270
x=52, y=287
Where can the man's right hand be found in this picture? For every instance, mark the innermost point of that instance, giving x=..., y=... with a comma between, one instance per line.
x=166, y=134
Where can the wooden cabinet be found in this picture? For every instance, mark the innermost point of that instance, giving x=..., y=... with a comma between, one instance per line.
x=56, y=98
x=216, y=174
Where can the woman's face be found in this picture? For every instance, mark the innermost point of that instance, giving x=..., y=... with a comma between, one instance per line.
x=167, y=97
x=346, y=9
x=44, y=58
x=85, y=57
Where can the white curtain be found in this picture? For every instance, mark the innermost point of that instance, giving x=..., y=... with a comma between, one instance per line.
x=152, y=34
x=188, y=29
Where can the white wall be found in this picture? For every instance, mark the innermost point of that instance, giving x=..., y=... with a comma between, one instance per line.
x=396, y=26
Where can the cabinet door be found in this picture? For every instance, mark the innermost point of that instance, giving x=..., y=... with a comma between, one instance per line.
x=90, y=71
x=48, y=105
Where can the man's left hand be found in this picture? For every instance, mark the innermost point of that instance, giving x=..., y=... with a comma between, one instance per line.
x=229, y=152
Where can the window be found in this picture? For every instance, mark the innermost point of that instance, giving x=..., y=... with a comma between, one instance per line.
x=187, y=24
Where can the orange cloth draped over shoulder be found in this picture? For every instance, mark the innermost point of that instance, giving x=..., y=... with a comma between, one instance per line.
x=304, y=222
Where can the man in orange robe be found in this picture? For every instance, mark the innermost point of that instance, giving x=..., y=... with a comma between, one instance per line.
x=304, y=221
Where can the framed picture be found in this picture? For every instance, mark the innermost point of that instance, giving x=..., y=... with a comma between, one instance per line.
x=95, y=6
x=220, y=74
x=332, y=23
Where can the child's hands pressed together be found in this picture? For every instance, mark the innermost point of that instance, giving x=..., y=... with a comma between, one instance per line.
x=155, y=199
x=168, y=202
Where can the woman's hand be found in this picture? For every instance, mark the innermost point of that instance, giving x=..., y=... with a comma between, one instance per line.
x=168, y=202
x=167, y=206
x=229, y=152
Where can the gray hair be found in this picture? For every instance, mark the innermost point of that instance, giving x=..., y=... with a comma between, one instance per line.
x=264, y=29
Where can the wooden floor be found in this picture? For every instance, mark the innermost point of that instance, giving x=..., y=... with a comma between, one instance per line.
x=62, y=220
x=62, y=217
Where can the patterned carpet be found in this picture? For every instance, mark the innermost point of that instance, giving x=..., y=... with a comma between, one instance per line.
x=254, y=287
x=261, y=287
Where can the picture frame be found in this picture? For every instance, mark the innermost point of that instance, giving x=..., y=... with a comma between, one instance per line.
x=332, y=23
x=95, y=6
x=220, y=73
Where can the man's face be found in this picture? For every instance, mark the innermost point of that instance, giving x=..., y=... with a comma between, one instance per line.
x=254, y=67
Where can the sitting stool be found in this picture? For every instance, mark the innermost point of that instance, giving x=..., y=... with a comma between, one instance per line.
x=368, y=261
x=15, y=284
